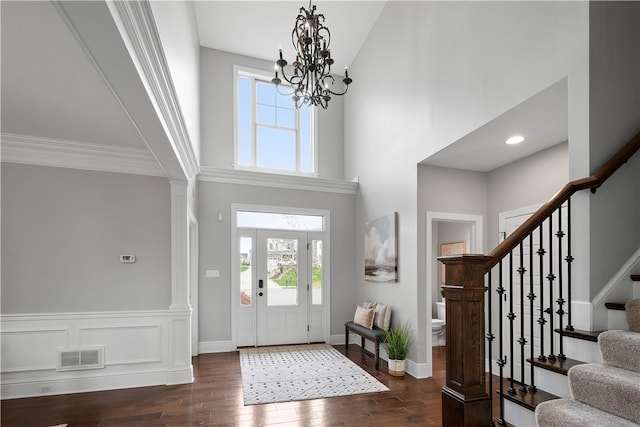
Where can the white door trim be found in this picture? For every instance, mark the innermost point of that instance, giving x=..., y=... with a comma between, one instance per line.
x=475, y=246
x=235, y=272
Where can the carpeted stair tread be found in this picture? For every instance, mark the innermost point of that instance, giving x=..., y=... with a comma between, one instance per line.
x=620, y=349
x=607, y=388
x=570, y=413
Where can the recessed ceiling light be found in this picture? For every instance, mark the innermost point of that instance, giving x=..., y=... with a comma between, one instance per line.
x=515, y=140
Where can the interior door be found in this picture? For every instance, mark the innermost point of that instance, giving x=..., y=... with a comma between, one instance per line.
x=283, y=289
x=532, y=283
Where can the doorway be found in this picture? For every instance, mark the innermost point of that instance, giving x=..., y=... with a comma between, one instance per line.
x=280, y=276
x=474, y=223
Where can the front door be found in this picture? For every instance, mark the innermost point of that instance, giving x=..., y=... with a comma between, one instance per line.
x=283, y=288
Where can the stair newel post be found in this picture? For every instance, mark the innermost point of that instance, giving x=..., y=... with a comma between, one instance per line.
x=465, y=401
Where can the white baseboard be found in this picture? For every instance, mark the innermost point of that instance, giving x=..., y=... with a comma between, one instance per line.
x=47, y=387
x=418, y=370
x=215, y=347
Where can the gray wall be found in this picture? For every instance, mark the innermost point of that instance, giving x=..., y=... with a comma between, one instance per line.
x=469, y=63
x=510, y=187
x=216, y=103
x=215, y=249
x=614, y=48
x=63, y=231
x=450, y=191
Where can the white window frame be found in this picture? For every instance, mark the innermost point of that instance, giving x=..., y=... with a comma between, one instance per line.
x=254, y=74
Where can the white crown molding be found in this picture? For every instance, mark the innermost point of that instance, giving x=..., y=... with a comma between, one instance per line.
x=231, y=176
x=40, y=151
x=142, y=33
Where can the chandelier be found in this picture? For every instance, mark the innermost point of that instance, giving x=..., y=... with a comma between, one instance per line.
x=311, y=77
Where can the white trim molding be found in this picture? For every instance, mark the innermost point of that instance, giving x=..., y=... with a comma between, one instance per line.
x=141, y=348
x=290, y=182
x=33, y=150
x=139, y=30
x=619, y=288
x=215, y=346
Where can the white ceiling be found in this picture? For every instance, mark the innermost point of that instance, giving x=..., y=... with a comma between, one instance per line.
x=541, y=120
x=259, y=28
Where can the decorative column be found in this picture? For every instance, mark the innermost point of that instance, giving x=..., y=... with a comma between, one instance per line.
x=179, y=369
x=465, y=401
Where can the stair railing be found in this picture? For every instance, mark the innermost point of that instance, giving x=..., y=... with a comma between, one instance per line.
x=539, y=245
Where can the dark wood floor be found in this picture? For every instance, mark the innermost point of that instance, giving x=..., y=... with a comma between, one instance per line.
x=215, y=399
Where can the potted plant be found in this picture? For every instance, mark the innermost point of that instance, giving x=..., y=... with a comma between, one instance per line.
x=398, y=342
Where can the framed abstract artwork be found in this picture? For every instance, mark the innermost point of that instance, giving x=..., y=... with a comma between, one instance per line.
x=381, y=249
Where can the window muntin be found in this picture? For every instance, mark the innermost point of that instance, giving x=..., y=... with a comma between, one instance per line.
x=271, y=133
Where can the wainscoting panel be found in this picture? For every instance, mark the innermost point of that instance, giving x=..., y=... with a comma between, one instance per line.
x=138, y=346
x=14, y=359
x=119, y=339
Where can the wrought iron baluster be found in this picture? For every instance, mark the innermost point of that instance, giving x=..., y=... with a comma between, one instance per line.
x=569, y=260
x=490, y=339
x=503, y=359
x=522, y=340
x=551, y=277
x=560, y=301
x=511, y=316
x=541, y=320
x=532, y=297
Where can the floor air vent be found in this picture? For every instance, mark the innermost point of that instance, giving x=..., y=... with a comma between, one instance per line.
x=80, y=358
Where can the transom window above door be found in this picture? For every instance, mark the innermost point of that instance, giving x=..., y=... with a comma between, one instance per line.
x=270, y=133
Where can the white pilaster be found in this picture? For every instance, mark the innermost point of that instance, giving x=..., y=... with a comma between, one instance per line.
x=179, y=369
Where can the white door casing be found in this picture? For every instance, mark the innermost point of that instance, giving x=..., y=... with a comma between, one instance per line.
x=246, y=316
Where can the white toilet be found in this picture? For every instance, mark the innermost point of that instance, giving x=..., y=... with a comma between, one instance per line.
x=438, y=326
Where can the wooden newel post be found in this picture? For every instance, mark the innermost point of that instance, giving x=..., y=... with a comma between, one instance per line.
x=465, y=401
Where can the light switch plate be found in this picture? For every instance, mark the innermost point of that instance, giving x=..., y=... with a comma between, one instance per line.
x=212, y=273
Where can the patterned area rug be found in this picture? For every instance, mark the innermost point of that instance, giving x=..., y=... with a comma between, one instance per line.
x=301, y=372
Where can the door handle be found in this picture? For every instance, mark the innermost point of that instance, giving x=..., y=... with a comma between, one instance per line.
x=260, y=283
x=260, y=294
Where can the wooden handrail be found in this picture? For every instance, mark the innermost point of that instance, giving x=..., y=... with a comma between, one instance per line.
x=592, y=182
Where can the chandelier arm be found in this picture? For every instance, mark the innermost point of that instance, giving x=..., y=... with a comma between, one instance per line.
x=311, y=79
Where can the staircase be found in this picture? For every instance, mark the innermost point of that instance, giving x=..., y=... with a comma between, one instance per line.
x=526, y=282
x=604, y=394
x=561, y=402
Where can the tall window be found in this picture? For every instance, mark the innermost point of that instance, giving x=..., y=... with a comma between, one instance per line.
x=271, y=134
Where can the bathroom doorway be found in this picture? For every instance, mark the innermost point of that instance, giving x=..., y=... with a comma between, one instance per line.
x=444, y=228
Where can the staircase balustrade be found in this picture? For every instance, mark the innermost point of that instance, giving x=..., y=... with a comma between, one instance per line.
x=542, y=244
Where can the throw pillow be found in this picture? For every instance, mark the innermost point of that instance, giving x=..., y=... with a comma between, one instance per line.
x=368, y=304
x=364, y=317
x=632, y=309
x=382, y=319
